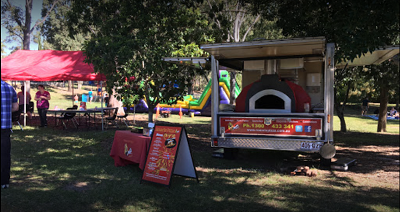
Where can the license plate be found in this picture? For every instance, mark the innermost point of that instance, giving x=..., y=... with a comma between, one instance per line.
x=310, y=146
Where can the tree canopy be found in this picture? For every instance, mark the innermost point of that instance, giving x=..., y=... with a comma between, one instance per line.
x=17, y=21
x=355, y=26
x=55, y=28
x=130, y=38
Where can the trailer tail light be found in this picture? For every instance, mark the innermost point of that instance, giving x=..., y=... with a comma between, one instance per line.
x=329, y=118
x=215, y=141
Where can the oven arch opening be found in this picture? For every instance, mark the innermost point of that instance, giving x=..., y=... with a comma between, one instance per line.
x=270, y=101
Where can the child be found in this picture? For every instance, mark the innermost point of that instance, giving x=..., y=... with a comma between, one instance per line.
x=90, y=95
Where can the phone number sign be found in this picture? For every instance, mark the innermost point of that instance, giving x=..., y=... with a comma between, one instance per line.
x=270, y=126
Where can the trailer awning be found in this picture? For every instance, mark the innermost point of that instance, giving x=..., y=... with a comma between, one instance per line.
x=233, y=54
x=376, y=57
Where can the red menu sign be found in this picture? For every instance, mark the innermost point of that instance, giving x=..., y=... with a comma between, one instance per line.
x=162, y=154
x=270, y=126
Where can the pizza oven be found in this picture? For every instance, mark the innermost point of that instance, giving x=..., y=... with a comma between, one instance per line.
x=272, y=95
x=270, y=101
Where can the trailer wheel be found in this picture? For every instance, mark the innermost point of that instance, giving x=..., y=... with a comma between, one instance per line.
x=324, y=162
x=230, y=153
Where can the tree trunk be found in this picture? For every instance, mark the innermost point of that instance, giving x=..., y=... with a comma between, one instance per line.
x=384, y=97
x=80, y=84
x=69, y=85
x=232, y=88
x=340, y=114
x=340, y=108
x=27, y=28
x=150, y=117
x=150, y=106
x=190, y=88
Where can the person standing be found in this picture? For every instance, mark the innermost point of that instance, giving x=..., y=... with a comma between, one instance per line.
x=9, y=104
x=76, y=99
x=365, y=105
x=90, y=95
x=42, y=97
x=21, y=100
x=106, y=99
x=98, y=90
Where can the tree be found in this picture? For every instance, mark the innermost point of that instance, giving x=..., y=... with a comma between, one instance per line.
x=55, y=28
x=236, y=21
x=191, y=50
x=265, y=29
x=356, y=27
x=344, y=83
x=2, y=49
x=18, y=23
x=385, y=77
x=37, y=38
x=129, y=39
x=233, y=18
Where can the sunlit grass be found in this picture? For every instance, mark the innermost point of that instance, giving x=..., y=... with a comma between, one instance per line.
x=365, y=124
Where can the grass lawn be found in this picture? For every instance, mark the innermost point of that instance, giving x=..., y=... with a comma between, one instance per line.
x=71, y=170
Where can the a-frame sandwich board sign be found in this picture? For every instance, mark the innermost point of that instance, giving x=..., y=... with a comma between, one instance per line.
x=169, y=153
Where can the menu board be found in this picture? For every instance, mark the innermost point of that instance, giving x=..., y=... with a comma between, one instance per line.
x=304, y=127
x=162, y=159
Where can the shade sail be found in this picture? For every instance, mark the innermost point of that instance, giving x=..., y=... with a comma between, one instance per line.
x=376, y=57
x=47, y=65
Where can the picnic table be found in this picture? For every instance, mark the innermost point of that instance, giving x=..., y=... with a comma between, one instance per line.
x=89, y=113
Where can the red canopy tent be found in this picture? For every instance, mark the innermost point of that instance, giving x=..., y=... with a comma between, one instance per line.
x=47, y=65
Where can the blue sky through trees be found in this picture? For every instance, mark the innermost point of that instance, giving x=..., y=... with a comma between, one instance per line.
x=36, y=15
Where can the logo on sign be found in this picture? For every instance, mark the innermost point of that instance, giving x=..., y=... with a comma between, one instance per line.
x=170, y=143
x=299, y=128
x=267, y=121
x=128, y=152
x=307, y=128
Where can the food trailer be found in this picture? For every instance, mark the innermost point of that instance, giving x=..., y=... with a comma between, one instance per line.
x=287, y=98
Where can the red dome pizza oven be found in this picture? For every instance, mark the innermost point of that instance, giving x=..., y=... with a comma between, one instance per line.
x=272, y=95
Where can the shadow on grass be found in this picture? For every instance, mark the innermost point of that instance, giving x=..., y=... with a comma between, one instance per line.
x=56, y=170
x=84, y=179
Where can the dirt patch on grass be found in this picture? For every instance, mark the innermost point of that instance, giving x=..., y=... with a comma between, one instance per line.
x=78, y=186
x=376, y=165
